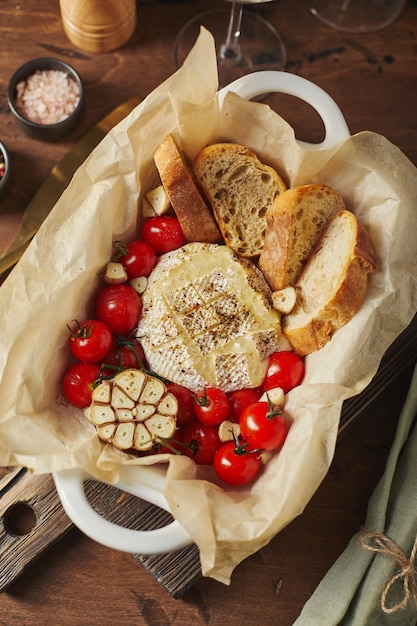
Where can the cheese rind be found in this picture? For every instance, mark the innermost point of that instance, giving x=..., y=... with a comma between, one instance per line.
x=207, y=319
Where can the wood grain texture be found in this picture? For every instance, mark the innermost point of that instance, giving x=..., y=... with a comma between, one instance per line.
x=24, y=493
x=373, y=79
x=98, y=26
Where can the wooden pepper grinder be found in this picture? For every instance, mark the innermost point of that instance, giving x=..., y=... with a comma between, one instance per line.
x=98, y=26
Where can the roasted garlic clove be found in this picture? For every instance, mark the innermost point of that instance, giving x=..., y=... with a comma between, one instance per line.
x=139, y=284
x=275, y=395
x=228, y=431
x=284, y=300
x=115, y=273
x=158, y=199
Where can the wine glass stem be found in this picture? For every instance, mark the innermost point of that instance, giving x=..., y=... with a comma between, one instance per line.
x=230, y=49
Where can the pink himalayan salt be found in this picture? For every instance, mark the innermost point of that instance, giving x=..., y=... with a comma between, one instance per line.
x=47, y=96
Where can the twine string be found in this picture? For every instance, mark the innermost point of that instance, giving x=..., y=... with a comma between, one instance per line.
x=381, y=544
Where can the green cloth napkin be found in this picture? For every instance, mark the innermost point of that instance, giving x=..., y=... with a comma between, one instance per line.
x=350, y=593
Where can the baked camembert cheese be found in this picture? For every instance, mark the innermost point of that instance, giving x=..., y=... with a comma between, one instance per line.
x=208, y=320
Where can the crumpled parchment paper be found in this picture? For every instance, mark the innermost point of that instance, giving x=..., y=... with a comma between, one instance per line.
x=55, y=281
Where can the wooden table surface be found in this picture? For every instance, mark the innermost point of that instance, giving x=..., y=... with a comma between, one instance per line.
x=373, y=78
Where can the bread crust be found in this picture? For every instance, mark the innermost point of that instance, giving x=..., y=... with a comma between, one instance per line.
x=309, y=330
x=318, y=330
x=192, y=211
x=294, y=225
x=239, y=189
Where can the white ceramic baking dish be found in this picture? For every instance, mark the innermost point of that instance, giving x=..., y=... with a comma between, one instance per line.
x=147, y=482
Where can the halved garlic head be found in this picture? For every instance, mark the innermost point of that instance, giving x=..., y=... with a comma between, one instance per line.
x=133, y=411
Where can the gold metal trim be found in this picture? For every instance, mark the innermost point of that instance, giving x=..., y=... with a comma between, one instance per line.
x=51, y=189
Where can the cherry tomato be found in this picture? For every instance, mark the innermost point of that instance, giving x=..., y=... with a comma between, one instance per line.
x=211, y=405
x=120, y=307
x=77, y=383
x=240, y=399
x=185, y=399
x=138, y=258
x=234, y=465
x=163, y=233
x=202, y=442
x=90, y=341
x=285, y=370
x=263, y=426
x=125, y=353
x=170, y=447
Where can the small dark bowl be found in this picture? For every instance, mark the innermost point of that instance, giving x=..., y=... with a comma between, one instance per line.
x=5, y=179
x=45, y=132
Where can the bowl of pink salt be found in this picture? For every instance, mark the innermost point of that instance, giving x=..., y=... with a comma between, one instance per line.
x=5, y=171
x=46, y=96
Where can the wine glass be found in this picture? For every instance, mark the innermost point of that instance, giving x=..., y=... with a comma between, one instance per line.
x=245, y=41
x=357, y=16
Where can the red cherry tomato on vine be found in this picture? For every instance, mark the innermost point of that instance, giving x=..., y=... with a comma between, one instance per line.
x=77, y=383
x=125, y=353
x=263, y=427
x=240, y=399
x=90, y=341
x=201, y=441
x=285, y=370
x=185, y=399
x=169, y=447
x=120, y=307
x=234, y=465
x=163, y=233
x=138, y=258
x=211, y=405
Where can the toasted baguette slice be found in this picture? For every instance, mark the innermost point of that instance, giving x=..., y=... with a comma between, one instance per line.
x=295, y=223
x=332, y=285
x=193, y=213
x=239, y=189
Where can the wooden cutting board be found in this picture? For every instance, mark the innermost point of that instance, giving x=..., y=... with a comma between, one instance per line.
x=33, y=519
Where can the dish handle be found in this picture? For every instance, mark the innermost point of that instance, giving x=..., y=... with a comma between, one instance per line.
x=259, y=83
x=146, y=484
